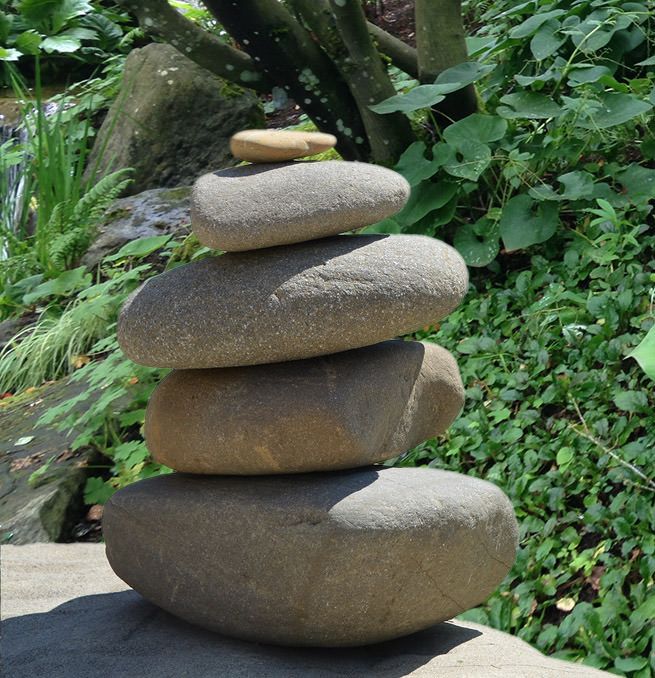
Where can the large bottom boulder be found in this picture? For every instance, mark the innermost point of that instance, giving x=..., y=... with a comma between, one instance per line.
x=327, y=559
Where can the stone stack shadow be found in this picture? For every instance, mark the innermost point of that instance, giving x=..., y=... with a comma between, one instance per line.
x=288, y=388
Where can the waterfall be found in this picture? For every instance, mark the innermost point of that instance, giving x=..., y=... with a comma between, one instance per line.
x=12, y=183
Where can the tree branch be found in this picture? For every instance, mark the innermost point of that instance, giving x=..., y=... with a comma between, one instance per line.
x=288, y=55
x=402, y=55
x=158, y=18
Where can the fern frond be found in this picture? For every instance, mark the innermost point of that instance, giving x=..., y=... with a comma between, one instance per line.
x=95, y=201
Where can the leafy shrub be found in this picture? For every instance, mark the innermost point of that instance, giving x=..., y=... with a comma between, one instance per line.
x=562, y=418
x=567, y=93
x=66, y=29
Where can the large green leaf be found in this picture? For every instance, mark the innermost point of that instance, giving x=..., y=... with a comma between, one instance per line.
x=476, y=127
x=525, y=222
x=139, y=248
x=534, y=23
x=62, y=44
x=38, y=11
x=546, y=41
x=425, y=198
x=587, y=73
x=638, y=183
x=413, y=164
x=615, y=109
x=528, y=105
x=423, y=96
x=63, y=285
x=644, y=353
x=464, y=74
x=471, y=158
x=478, y=243
x=426, y=96
x=28, y=42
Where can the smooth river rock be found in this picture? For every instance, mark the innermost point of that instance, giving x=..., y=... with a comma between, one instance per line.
x=274, y=145
x=339, y=411
x=327, y=559
x=256, y=206
x=288, y=303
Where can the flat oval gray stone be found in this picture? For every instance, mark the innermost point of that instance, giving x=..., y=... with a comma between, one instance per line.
x=263, y=205
x=336, y=412
x=293, y=302
x=325, y=559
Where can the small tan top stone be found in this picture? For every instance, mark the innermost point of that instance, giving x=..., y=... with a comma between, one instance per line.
x=274, y=145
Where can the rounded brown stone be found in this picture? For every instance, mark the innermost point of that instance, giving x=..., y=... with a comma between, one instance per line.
x=339, y=411
x=294, y=302
x=323, y=559
x=270, y=145
x=257, y=206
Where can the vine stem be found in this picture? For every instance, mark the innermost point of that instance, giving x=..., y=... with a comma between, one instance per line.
x=588, y=435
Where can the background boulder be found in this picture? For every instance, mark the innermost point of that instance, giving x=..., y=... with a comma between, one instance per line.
x=171, y=121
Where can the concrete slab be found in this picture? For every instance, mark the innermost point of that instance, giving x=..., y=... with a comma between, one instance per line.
x=66, y=615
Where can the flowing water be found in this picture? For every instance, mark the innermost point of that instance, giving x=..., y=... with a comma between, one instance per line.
x=13, y=135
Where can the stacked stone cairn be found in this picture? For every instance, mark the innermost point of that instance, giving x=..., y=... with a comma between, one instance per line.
x=288, y=388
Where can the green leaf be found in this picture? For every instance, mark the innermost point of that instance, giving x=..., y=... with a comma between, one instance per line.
x=36, y=11
x=631, y=401
x=644, y=353
x=533, y=23
x=97, y=491
x=385, y=226
x=583, y=74
x=525, y=222
x=630, y=663
x=5, y=26
x=644, y=613
x=478, y=243
x=638, y=183
x=63, y=285
x=462, y=75
x=28, y=42
x=615, y=109
x=426, y=96
x=471, y=158
x=413, y=164
x=9, y=54
x=564, y=456
x=61, y=44
x=546, y=41
x=577, y=185
x=423, y=96
x=476, y=127
x=529, y=106
x=647, y=62
x=140, y=248
x=425, y=198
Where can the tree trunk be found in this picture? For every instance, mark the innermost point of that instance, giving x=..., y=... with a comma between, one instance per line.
x=366, y=75
x=289, y=57
x=441, y=44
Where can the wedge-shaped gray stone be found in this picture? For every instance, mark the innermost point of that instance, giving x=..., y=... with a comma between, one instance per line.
x=340, y=411
x=263, y=205
x=325, y=559
x=293, y=302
